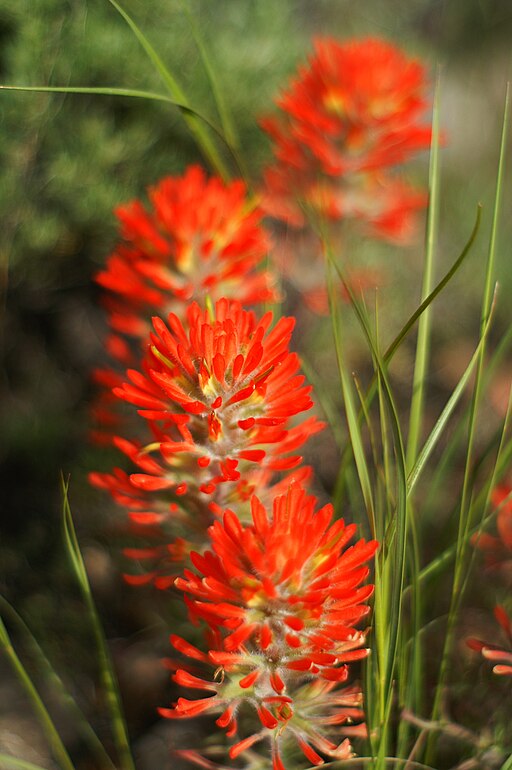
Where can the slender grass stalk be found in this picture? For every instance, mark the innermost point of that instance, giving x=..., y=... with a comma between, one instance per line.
x=455, y=439
x=227, y=123
x=391, y=557
x=409, y=325
x=196, y=128
x=52, y=734
x=424, y=323
x=439, y=427
x=57, y=686
x=351, y=411
x=465, y=507
x=108, y=677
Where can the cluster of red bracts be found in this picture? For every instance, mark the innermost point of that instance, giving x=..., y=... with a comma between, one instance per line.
x=281, y=597
x=498, y=558
x=206, y=403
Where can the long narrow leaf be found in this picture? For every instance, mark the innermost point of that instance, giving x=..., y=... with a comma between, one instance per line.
x=107, y=673
x=424, y=324
x=445, y=415
x=51, y=732
x=197, y=130
x=57, y=686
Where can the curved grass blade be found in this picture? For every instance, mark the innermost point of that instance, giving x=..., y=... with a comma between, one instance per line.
x=402, y=334
x=395, y=344
x=56, y=685
x=393, y=552
x=227, y=123
x=351, y=412
x=445, y=415
x=128, y=92
x=108, y=677
x=52, y=734
x=203, y=139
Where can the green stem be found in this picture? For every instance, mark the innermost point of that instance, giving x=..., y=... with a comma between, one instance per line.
x=54, y=739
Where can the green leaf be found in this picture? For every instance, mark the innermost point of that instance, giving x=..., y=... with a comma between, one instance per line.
x=52, y=734
x=424, y=324
x=203, y=139
x=56, y=685
x=108, y=677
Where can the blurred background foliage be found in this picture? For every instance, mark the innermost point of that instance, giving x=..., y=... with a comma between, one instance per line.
x=67, y=160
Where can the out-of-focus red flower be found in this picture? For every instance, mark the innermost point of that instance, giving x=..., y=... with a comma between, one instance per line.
x=199, y=237
x=502, y=658
x=498, y=550
x=348, y=117
x=281, y=597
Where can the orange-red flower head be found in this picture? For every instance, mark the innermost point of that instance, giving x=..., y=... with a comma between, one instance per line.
x=199, y=237
x=349, y=116
x=281, y=597
x=501, y=657
x=222, y=389
x=285, y=584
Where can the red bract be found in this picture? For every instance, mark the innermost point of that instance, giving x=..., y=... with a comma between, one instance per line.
x=349, y=116
x=222, y=389
x=493, y=652
x=285, y=585
x=199, y=237
x=498, y=550
x=167, y=529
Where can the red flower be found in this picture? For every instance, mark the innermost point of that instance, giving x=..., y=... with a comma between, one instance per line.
x=199, y=238
x=498, y=550
x=281, y=597
x=285, y=585
x=349, y=116
x=219, y=395
x=224, y=391
x=167, y=530
x=501, y=657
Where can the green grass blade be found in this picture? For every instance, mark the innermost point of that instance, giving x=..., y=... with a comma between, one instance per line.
x=203, y=139
x=108, y=677
x=391, y=558
x=402, y=334
x=124, y=92
x=18, y=764
x=400, y=337
x=56, y=685
x=465, y=506
x=52, y=734
x=227, y=123
x=351, y=412
x=424, y=324
x=445, y=415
